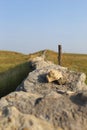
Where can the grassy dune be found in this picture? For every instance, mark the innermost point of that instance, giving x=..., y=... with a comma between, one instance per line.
x=14, y=66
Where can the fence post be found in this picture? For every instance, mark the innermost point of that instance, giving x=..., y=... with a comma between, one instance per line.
x=59, y=54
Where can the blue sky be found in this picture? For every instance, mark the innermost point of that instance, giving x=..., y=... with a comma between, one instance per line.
x=31, y=25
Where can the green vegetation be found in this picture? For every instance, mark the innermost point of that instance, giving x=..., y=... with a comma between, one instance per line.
x=14, y=66
x=10, y=79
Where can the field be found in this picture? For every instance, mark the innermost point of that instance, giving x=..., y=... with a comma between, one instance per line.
x=14, y=67
x=9, y=59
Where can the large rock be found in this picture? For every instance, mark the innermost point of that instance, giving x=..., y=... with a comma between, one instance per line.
x=41, y=105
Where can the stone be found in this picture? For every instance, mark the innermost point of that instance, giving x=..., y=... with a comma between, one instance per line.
x=62, y=81
x=15, y=120
x=39, y=62
x=53, y=75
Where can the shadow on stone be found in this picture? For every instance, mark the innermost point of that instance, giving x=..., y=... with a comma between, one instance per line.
x=60, y=81
x=42, y=78
x=80, y=98
x=38, y=100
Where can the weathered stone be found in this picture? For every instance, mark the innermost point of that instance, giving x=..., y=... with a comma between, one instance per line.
x=62, y=81
x=39, y=62
x=53, y=75
x=12, y=119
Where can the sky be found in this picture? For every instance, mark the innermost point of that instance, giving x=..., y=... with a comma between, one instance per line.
x=28, y=26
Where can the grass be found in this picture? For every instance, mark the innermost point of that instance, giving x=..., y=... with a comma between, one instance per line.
x=11, y=59
x=14, y=66
x=10, y=79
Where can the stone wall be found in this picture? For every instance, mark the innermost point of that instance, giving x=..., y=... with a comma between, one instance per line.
x=43, y=104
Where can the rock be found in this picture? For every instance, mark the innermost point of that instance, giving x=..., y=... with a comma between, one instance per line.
x=39, y=62
x=53, y=75
x=66, y=92
x=38, y=104
x=15, y=120
x=62, y=81
x=81, y=82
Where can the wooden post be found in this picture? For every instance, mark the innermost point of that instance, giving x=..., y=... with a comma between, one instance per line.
x=59, y=54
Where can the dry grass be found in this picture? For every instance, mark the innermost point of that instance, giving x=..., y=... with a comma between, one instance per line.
x=11, y=59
